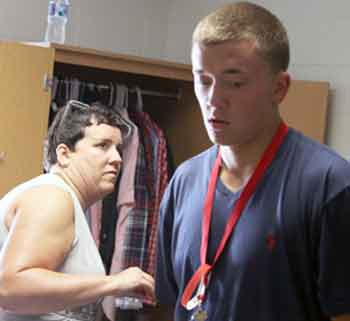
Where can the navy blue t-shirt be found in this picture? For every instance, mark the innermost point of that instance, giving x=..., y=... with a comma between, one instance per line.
x=286, y=259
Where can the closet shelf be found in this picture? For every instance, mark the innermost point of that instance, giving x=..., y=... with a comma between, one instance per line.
x=118, y=62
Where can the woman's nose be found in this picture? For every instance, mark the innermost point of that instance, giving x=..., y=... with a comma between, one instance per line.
x=116, y=156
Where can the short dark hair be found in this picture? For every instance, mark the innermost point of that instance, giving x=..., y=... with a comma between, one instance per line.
x=68, y=126
x=247, y=21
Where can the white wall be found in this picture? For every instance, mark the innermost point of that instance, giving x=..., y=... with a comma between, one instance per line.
x=183, y=15
x=318, y=31
x=135, y=27
x=320, y=48
x=126, y=26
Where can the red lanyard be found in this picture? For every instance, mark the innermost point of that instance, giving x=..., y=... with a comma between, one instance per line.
x=203, y=271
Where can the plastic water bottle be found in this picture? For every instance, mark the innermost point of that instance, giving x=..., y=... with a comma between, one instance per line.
x=128, y=303
x=56, y=21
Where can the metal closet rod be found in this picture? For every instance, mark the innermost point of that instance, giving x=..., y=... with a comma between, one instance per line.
x=145, y=92
x=176, y=96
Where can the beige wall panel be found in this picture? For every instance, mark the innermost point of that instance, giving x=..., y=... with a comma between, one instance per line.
x=305, y=108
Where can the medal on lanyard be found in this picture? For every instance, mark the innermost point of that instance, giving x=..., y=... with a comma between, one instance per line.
x=196, y=303
x=200, y=278
x=199, y=315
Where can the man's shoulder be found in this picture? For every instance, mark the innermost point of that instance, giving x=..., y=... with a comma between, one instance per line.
x=199, y=162
x=194, y=171
x=317, y=165
x=313, y=153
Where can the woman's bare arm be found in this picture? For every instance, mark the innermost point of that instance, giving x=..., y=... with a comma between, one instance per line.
x=41, y=235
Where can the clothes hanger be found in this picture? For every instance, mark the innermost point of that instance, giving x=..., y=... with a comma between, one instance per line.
x=121, y=93
x=111, y=95
x=139, y=101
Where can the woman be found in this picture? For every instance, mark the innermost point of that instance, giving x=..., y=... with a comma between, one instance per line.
x=50, y=268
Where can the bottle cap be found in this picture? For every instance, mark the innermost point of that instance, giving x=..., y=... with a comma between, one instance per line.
x=52, y=8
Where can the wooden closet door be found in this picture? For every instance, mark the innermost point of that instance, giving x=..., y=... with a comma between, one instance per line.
x=24, y=108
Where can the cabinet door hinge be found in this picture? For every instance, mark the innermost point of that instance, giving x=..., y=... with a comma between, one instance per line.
x=48, y=82
x=2, y=156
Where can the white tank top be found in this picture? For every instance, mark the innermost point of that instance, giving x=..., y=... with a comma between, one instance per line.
x=83, y=257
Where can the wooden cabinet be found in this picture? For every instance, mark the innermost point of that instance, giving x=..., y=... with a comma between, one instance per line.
x=25, y=101
x=24, y=107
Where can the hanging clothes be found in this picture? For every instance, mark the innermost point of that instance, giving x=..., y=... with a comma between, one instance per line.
x=139, y=226
x=136, y=230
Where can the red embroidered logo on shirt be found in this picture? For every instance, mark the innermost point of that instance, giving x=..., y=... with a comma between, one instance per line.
x=271, y=241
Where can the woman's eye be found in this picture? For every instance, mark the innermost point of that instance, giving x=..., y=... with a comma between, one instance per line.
x=103, y=145
x=119, y=150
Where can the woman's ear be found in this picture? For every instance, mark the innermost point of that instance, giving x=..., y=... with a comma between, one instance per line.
x=63, y=155
x=282, y=84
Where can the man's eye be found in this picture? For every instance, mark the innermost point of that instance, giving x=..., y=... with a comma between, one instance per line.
x=234, y=84
x=237, y=84
x=203, y=81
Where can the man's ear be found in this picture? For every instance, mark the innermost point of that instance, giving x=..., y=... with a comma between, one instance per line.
x=282, y=84
x=63, y=155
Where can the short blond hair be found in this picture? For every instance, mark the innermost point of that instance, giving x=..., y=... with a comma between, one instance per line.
x=247, y=21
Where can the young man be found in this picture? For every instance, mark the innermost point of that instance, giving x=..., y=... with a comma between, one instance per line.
x=254, y=227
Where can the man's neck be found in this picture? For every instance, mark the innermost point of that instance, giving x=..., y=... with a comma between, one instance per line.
x=240, y=161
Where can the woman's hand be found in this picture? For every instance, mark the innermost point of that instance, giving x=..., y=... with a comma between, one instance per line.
x=133, y=282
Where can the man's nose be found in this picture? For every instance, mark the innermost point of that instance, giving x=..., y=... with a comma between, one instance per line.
x=215, y=96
